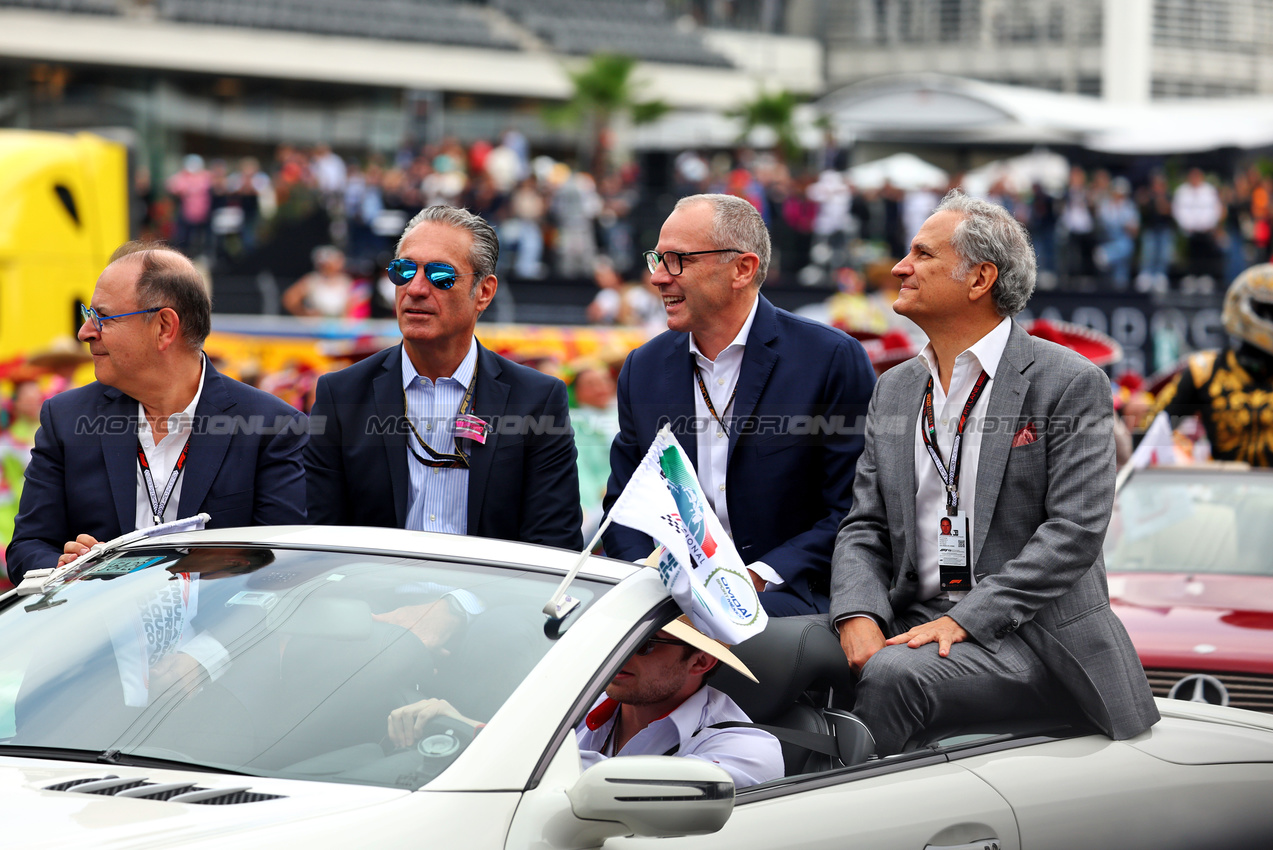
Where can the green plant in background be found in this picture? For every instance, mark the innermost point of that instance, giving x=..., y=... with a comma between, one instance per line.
x=606, y=92
x=775, y=111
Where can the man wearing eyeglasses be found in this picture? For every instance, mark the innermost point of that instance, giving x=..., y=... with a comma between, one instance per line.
x=438, y=433
x=766, y=404
x=160, y=434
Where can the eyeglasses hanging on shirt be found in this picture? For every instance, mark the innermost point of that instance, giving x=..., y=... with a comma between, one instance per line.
x=466, y=425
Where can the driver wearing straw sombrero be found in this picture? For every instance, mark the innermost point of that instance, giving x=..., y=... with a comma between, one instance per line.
x=659, y=704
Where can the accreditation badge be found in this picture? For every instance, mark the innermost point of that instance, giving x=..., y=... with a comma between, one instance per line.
x=954, y=552
x=471, y=427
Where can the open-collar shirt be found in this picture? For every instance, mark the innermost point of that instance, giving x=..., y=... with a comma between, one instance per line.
x=162, y=456
x=930, y=490
x=720, y=376
x=748, y=755
x=437, y=497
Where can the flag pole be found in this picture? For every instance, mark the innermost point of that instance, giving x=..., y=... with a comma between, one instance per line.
x=559, y=605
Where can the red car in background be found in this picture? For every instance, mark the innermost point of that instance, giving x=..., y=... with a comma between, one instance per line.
x=1189, y=554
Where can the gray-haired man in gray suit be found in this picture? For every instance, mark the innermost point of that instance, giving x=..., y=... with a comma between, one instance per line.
x=968, y=582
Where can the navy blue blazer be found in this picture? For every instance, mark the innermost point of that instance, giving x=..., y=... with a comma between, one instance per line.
x=523, y=483
x=789, y=474
x=243, y=468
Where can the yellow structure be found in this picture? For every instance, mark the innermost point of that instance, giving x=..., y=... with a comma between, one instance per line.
x=63, y=211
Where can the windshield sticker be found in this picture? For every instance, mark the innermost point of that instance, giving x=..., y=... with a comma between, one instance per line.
x=123, y=565
x=255, y=598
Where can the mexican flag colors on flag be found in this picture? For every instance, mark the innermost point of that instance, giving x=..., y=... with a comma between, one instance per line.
x=697, y=561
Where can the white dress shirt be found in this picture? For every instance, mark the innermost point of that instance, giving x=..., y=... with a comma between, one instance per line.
x=930, y=489
x=721, y=378
x=750, y=756
x=438, y=498
x=163, y=457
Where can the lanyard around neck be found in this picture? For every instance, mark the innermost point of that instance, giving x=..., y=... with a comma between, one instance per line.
x=949, y=475
x=441, y=459
x=707, y=399
x=157, y=503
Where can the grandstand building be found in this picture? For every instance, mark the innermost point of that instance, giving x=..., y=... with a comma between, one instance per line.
x=1124, y=50
x=363, y=75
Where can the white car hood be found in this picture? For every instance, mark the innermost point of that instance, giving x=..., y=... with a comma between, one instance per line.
x=314, y=814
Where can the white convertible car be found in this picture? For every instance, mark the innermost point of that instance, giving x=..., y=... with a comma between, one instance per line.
x=231, y=689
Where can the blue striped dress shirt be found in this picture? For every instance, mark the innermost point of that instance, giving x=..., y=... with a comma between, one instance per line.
x=438, y=498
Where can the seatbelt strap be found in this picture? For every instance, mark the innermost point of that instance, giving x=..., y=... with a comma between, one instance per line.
x=817, y=742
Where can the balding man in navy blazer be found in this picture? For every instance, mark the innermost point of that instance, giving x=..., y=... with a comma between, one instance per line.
x=212, y=444
x=766, y=404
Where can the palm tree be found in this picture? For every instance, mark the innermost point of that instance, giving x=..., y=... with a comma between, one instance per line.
x=605, y=92
x=775, y=110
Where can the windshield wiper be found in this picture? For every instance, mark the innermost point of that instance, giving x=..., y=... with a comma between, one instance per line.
x=111, y=756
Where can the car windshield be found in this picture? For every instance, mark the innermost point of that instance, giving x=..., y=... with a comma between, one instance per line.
x=1193, y=521
x=273, y=662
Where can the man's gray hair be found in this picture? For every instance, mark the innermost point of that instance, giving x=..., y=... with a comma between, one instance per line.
x=169, y=279
x=485, y=251
x=988, y=233
x=736, y=224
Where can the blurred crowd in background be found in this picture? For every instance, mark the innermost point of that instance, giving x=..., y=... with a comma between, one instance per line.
x=1092, y=230
x=327, y=226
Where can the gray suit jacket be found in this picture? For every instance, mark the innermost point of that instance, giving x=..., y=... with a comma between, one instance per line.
x=1038, y=566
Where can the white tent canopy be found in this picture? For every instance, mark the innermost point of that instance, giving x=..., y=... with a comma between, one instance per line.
x=903, y=170
x=933, y=108
x=1049, y=169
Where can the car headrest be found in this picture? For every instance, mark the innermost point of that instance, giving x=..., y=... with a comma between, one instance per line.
x=791, y=655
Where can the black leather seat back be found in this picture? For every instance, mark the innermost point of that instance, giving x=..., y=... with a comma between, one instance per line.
x=793, y=655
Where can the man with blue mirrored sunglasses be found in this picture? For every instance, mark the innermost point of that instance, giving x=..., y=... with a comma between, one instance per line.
x=443, y=276
x=438, y=433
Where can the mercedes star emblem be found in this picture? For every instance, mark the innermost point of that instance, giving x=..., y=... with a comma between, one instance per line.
x=1200, y=688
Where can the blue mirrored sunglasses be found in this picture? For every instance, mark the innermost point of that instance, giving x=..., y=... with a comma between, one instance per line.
x=441, y=275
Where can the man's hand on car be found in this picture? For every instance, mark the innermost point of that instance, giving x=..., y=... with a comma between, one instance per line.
x=75, y=548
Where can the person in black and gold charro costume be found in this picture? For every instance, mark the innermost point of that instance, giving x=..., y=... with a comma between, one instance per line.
x=1231, y=389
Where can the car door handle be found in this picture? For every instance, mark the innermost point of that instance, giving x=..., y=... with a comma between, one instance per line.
x=979, y=844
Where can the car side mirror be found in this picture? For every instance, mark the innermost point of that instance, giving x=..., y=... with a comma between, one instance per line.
x=654, y=796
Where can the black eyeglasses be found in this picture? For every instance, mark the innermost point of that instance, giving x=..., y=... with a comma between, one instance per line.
x=442, y=275
x=88, y=314
x=651, y=644
x=672, y=259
